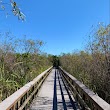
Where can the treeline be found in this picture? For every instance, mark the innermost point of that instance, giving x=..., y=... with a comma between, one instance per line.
x=20, y=61
x=92, y=66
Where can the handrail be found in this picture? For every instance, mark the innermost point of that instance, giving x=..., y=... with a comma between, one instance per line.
x=86, y=98
x=20, y=99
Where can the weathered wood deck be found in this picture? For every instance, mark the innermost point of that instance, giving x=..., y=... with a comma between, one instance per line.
x=54, y=95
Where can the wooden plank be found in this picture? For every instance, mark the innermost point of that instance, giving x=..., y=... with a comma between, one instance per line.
x=54, y=95
x=99, y=102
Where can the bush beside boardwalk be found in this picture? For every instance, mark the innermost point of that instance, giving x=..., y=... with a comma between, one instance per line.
x=20, y=62
x=92, y=66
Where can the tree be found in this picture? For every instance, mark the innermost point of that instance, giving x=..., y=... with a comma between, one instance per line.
x=20, y=62
x=14, y=7
x=92, y=66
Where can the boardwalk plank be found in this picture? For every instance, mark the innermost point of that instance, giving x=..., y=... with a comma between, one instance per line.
x=53, y=94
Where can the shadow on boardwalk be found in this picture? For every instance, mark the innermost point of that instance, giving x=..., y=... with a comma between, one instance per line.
x=54, y=95
x=63, y=104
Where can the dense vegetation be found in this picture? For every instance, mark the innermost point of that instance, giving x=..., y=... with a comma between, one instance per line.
x=20, y=62
x=92, y=66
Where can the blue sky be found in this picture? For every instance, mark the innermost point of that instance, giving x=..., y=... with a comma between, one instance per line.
x=62, y=24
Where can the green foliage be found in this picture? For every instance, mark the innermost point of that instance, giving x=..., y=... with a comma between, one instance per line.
x=18, y=68
x=55, y=61
x=92, y=67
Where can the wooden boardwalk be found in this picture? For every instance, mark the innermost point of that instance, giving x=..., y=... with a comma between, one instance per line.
x=54, y=95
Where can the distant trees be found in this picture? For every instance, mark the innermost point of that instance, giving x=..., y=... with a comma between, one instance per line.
x=55, y=61
x=20, y=62
x=92, y=66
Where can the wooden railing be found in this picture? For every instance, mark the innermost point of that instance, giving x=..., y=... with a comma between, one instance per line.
x=87, y=99
x=21, y=99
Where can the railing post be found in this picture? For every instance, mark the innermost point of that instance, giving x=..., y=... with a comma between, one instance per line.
x=85, y=97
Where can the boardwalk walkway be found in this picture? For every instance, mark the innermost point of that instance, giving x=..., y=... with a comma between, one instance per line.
x=54, y=95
